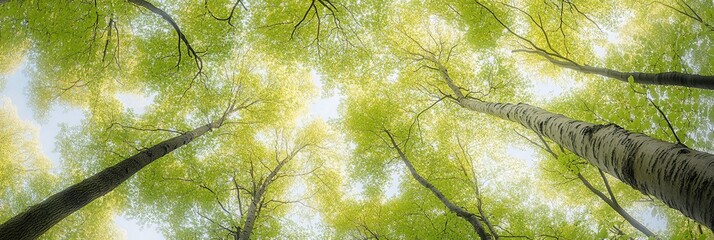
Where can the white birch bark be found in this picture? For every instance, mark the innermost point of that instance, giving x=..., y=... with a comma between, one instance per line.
x=682, y=178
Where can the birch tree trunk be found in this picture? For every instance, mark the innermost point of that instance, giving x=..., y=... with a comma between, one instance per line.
x=682, y=178
x=462, y=213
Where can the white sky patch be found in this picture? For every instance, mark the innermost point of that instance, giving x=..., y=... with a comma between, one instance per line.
x=132, y=230
x=306, y=218
x=600, y=52
x=136, y=102
x=613, y=37
x=326, y=108
x=16, y=92
x=326, y=105
x=391, y=189
x=354, y=190
x=647, y=213
x=527, y=155
x=547, y=90
x=392, y=78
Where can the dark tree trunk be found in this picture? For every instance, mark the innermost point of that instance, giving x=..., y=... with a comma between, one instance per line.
x=34, y=221
x=665, y=78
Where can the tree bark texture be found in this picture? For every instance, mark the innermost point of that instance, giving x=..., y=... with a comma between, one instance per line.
x=665, y=78
x=34, y=221
x=682, y=178
x=250, y=219
x=462, y=213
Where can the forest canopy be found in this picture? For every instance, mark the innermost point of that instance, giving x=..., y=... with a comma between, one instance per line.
x=329, y=119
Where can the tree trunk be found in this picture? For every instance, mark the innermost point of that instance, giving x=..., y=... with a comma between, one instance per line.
x=666, y=78
x=682, y=178
x=33, y=222
x=250, y=219
x=611, y=201
x=463, y=213
x=258, y=197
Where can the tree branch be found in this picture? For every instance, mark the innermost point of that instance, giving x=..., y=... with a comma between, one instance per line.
x=177, y=29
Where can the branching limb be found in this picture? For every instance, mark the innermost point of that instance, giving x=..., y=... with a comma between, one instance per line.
x=144, y=129
x=216, y=223
x=607, y=186
x=689, y=12
x=669, y=124
x=229, y=18
x=215, y=195
x=416, y=119
x=109, y=38
x=615, y=206
x=177, y=29
x=659, y=110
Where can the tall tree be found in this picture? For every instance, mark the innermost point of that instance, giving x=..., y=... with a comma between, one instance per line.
x=33, y=222
x=674, y=173
x=240, y=190
x=184, y=59
x=414, y=209
x=27, y=177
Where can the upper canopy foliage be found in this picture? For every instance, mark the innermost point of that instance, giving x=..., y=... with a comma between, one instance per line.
x=191, y=59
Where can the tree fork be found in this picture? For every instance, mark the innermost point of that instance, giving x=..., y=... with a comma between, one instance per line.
x=617, y=208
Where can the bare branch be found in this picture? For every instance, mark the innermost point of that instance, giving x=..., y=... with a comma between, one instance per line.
x=216, y=223
x=669, y=124
x=229, y=18
x=144, y=129
x=177, y=29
